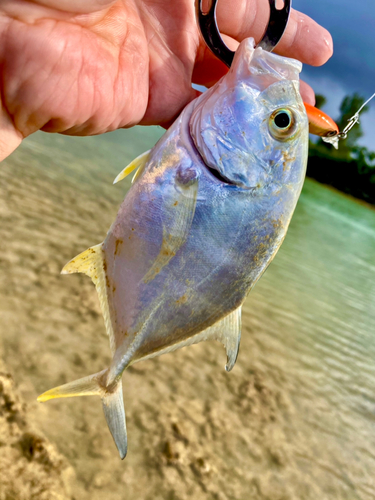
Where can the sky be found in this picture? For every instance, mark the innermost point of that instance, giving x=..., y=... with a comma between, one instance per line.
x=352, y=66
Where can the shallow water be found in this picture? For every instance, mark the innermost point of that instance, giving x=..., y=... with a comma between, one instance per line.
x=308, y=342
x=315, y=309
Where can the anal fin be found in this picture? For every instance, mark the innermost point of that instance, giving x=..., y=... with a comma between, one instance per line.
x=138, y=162
x=88, y=262
x=91, y=262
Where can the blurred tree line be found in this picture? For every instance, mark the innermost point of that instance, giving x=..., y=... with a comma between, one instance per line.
x=351, y=168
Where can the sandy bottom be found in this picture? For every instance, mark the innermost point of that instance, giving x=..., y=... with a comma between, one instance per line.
x=30, y=466
x=194, y=431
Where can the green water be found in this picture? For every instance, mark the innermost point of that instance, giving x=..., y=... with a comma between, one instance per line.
x=312, y=316
x=316, y=317
x=309, y=325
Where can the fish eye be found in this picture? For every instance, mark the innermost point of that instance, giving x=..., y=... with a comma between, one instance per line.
x=282, y=124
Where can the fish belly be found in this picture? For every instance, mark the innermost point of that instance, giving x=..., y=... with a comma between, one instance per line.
x=205, y=279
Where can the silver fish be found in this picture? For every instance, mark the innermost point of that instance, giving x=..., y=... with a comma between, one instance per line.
x=208, y=209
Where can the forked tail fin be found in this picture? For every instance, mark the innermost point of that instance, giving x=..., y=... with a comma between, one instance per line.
x=112, y=401
x=114, y=411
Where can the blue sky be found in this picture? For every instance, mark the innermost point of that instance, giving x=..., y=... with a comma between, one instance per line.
x=352, y=66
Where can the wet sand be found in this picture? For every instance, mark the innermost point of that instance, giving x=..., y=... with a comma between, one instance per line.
x=30, y=466
x=194, y=430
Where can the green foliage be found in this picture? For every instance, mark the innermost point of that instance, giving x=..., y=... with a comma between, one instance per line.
x=351, y=168
x=320, y=101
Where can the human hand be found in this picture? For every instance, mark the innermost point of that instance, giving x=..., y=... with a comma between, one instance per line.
x=90, y=66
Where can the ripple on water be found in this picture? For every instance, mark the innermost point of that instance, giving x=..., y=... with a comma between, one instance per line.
x=318, y=329
x=296, y=417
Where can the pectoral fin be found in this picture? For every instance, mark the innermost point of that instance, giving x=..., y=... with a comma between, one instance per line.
x=138, y=162
x=227, y=331
x=179, y=213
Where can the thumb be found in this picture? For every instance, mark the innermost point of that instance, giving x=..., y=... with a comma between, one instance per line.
x=10, y=137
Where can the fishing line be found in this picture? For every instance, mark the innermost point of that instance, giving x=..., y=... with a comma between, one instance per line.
x=334, y=139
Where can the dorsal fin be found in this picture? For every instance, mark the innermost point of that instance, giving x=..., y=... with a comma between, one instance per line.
x=138, y=162
x=227, y=331
x=91, y=262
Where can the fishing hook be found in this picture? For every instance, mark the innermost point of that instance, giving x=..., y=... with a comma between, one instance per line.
x=334, y=137
x=210, y=32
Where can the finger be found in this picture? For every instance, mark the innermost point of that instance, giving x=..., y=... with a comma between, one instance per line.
x=71, y=6
x=303, y=39
x=10, y=138
x=209, y=69
x=307, y=93
x=306, y=40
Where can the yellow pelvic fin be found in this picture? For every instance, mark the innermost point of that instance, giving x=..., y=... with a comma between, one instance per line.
x=91, y=262
x=138, y=162
x=87, y=262
x=141, y=168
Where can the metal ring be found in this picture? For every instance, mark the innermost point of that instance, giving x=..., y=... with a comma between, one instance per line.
x=210, y=32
